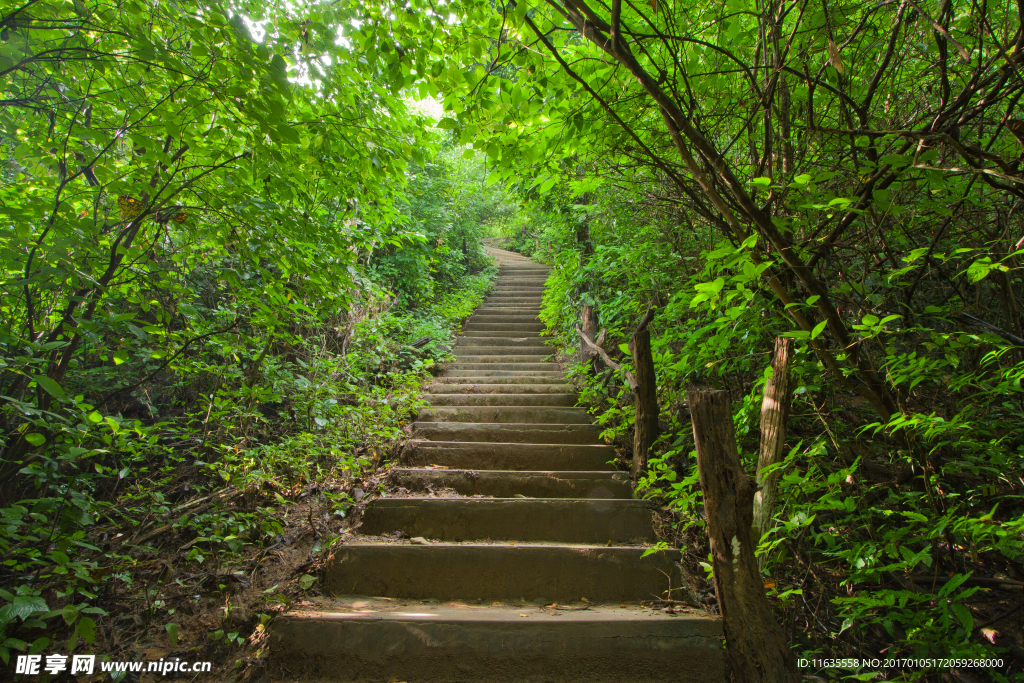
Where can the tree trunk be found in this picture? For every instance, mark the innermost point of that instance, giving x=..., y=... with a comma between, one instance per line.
x=589, y=326
x=755, y=647
x=774, y=411
x=645, y=429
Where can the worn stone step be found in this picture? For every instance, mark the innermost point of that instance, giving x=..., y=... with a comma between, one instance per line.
x=359, y=642
x=515, y=483
x=494, y=366
x=518, y=299
x=503, y=318
x=536, y=289
x=511, y=329
x=567, y=457
x=537, y=353
x=511, y=308
x=530, y=341
x=508, y=377
x=505, y=414
x=523, y=374
x=516, y=290
x=464, y=356
x=531, y=295
x=503, y=334
x=520, y=348
x=486, y=387
x=548, y=573
x=511, y=435
x=532, y=399
x=559, y=520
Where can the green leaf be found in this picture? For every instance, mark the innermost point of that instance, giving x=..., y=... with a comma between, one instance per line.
x=306, y=582
x=95, y=417
x=51, y=387
x=25, y=606
x=87, y=629
x=70, y=614
x=964, y=615
x=818, y=329
x=35, y=438
x=120, y=357
x=172, y=633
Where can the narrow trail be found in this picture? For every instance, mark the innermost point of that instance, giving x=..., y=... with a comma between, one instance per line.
x=517, y=555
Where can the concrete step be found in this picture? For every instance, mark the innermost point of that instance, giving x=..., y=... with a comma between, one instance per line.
x=532, y=399
x=503, y=572
x=533, y=290
x=518, y=348
x=502, y=334
x=509, y=434
x=360, y=640
x=505, y=414
x=502, y=377
x=521, y=374
x=560, y=520
x=493, y=366
x=503, y=318
x=566, y=457
x=518, y=299
x=533, y=296
x=521, y=328
x=520, y=285
x=498, y=388
x=509, y=309
x=533, y=313
x=514, y=483
x=531, y=341
x=466, y=356
x=537, y=353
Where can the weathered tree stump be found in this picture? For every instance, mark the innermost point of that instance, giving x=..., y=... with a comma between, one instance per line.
x=755, y=647
x=588, y=325
x=774, y=412
x=645, y=427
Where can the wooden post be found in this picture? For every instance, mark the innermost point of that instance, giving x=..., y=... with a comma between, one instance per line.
x=645, y=427
x=755, y=647
x=774, y=411
x=588, y=325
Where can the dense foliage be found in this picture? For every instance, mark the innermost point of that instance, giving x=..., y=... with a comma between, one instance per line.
x=222, y=228
x=220, y=238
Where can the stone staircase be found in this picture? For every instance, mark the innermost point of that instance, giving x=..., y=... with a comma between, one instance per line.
x=518, y=553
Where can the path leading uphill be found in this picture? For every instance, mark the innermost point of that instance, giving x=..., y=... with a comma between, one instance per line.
x=532, y=569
